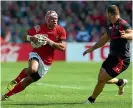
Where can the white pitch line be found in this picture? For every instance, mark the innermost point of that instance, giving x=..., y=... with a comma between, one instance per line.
x=59, y=86
x=65, y=86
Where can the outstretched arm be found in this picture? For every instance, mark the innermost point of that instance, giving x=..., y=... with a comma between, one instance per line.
x=102, y=41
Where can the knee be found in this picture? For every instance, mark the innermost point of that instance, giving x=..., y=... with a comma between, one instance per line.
x=35, y=76
x=33, y=69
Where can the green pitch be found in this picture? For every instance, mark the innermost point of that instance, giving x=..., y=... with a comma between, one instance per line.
x=67, y=85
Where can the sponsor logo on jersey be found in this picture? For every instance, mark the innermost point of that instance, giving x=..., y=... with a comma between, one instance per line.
x=110, y=28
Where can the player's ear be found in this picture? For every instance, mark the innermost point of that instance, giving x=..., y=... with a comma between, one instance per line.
x=109, y=14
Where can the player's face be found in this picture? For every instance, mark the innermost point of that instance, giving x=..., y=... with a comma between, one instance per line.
x=52, y=21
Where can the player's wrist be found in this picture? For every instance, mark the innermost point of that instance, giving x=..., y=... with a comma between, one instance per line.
x=28, y=38
x=50, y=42
x=92, y=49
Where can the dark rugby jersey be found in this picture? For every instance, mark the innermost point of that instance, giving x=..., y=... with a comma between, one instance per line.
x=118, y=46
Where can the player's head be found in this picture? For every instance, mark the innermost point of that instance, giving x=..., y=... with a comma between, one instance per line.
x=51, y=18
x=112, y=11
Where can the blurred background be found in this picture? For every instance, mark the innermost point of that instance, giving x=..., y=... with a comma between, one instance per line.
x=84, y=21
x=77, y=17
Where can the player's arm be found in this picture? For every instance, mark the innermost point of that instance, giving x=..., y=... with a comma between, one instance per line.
x=60, y=45
x=126, y=34
x=29, y=38
x=24, y=36
x=30, y=34
x=102, y=41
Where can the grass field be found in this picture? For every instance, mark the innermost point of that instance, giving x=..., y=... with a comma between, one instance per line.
x=67, y=85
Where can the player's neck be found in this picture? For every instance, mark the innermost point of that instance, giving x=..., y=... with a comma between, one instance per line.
x=49, y=27
x=115, y=19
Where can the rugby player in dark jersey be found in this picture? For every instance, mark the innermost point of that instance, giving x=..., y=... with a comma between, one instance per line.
x=119, y=33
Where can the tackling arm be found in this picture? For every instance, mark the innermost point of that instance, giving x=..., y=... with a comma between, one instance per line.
x=102, y=41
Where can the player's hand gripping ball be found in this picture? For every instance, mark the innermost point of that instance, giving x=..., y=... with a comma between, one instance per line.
x=40, y=40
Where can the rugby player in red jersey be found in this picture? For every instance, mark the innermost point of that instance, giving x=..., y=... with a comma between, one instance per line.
x=40, y=58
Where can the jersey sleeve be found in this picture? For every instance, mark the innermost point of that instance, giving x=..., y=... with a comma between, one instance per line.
x=62, y=34
x=34, y=30
x=31, y=31
x=126, y=26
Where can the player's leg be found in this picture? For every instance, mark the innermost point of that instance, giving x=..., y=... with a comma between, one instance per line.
x=112, y=81
x=24, y=73
x=121, y=64
x=117, y=81
x=103, y=77
x=120, y=83
x=34, y=76
x=37, y=70
x=19, y=87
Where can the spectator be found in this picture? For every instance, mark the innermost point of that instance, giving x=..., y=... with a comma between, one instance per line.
x=83, y=35
x=7, y=33
x=95, y=35
x=22, y=14
x=71, y=33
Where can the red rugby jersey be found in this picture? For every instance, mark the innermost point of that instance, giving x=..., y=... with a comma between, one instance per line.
x=46, y=52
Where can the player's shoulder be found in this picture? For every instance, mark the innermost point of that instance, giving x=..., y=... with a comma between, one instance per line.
x=39, y=26
x=60, y=28
x=124, y=24
x=122, y=21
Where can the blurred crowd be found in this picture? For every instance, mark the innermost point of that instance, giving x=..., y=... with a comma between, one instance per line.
x=84, y=21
